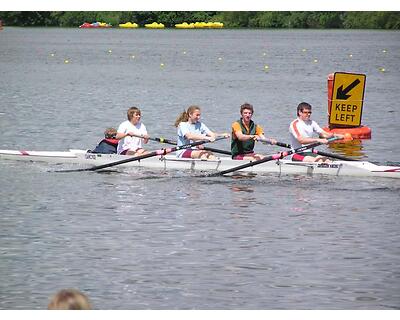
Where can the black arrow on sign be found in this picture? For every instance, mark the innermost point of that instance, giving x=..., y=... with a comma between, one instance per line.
x=342, y=94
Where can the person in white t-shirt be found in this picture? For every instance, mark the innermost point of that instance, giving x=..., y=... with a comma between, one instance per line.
x=302, y=132
x=190, y=129
x=128, y=131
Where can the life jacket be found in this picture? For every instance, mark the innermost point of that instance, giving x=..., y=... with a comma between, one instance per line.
x=106, y=146
x=243, y=147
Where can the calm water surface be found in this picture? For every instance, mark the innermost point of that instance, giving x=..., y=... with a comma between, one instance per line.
x=138, y=239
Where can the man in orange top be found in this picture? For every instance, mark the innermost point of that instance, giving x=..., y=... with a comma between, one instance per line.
x=244, y=134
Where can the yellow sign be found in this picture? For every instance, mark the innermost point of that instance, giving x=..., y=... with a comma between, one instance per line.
x=347, y=99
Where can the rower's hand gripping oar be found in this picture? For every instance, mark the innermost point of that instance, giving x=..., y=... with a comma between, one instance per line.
x=321, y=153
x=137, y=158
x=272, y=157
x=164, y=140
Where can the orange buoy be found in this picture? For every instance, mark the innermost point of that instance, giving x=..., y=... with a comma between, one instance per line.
x=361, y=132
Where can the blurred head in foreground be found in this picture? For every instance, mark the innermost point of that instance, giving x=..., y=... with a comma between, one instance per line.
x=69, y=299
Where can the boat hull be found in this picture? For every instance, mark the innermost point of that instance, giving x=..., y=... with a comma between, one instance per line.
x=170, y=162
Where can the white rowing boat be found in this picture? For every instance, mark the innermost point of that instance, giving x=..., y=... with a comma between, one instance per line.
x=81, y=157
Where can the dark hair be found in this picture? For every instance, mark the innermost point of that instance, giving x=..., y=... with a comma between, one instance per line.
x=247, y=106
x=302, y=106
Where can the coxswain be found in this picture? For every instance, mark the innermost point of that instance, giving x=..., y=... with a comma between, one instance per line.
x=109, y=143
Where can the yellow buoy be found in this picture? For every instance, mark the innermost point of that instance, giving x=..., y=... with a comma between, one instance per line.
x=52, y=54
x=304, y=50
x=266, y=68
x=219, y=58
x=128, y=25
x=350, y=55
x=109, y=51
x=382, y=69
x=162, y=65
x=384, y=51
x=132, y=56
x=66, y=61
x=184, y=52
x=315, y=60
x=154, y=25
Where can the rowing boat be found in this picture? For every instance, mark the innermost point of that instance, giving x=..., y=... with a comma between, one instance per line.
x=282, y=166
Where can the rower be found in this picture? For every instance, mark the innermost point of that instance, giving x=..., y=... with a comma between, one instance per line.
x=301, y=132
x=108, y=144
x=244, y=134
x=189, y=129
x=128, y=132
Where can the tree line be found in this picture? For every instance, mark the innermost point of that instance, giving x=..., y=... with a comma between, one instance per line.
x=235, y=19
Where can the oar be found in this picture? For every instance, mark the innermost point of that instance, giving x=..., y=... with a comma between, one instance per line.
x=321, y=153
x=137, y=158
x=272, y=157
x=164, y=140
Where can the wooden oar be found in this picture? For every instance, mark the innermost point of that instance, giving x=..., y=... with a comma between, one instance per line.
x=137, y=158
x=321, y=153
x=164, y=140
x=272, y=157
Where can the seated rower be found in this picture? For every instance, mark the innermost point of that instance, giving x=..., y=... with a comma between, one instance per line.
x=108, y=144
x=244, y=134
x=190, y=129
x=128, y=132
x=301, y=133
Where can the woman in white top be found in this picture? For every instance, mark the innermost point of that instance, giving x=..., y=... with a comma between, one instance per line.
x=127, y=133
x=301, y=132
x=190, y=129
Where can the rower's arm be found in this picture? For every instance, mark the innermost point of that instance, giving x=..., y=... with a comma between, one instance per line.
x=196, y=137
x=244, y=137
x=121, y=135
x=304, y=140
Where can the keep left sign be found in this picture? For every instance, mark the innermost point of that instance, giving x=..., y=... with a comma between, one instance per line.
x=347, y=99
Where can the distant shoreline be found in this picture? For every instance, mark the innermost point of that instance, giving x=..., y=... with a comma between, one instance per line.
x=370, y=20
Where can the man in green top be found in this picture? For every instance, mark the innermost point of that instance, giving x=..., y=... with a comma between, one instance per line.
x=244, y=134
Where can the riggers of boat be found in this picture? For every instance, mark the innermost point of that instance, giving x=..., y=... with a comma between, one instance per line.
x=171, y=162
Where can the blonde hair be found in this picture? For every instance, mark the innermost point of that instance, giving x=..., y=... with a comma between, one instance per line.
x=184, y=116
x=132, y=111
x=69, y=299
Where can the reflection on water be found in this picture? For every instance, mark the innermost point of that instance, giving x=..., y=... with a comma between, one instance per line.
x=240, y=188
x=352, y=149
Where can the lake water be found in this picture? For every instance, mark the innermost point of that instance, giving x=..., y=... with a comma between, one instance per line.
x=140, y=239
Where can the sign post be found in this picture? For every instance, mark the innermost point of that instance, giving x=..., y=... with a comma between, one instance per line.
x=347, y=100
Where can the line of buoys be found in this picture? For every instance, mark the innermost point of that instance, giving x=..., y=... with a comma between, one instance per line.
x=199, y=25
x=156, y=25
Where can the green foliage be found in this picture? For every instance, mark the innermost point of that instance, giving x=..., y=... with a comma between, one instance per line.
x=231, y=19
x=76, y=18
x=372, y=20
x=235, y=19
x=110, y=17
